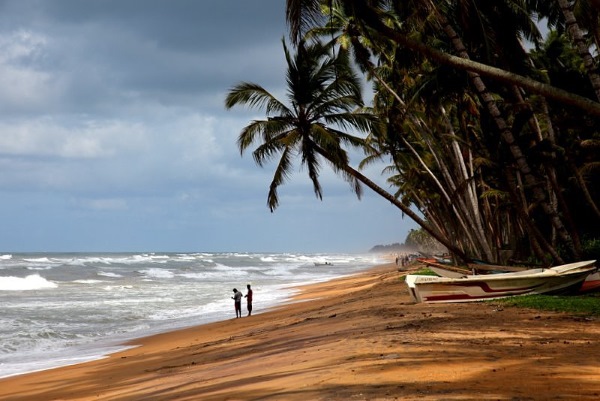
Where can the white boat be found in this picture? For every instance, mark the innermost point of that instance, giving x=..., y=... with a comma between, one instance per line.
x=555, y=280
x=448, y=270
x=590, y=284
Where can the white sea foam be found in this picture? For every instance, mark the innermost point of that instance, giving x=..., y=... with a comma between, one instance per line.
x=155, y=272
x=39, y=260
x=39, y=267
x=185, y=313
x=109, y=274
x=117, y=287
x=31, y=282
x=87, y=261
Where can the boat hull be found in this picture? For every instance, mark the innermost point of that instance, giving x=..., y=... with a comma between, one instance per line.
x=557, y=280
x=590, y=284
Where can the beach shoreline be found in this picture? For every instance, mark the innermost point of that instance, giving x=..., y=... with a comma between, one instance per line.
x=357, y=337
x=59, y=309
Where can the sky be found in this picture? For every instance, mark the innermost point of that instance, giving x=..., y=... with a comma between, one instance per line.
x=114, y=136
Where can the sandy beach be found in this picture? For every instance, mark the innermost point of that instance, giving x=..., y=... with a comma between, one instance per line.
x=355, y=338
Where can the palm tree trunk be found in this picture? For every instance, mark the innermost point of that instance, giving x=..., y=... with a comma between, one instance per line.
x=471, y=208
x=584, y=188
x=497, y=74
x=299, y=12
x=443, y=192
x=554, y=189
x=481, y=243
x=405, y=209
x=531, y=228
x=507, y=136
x=582, y=184
x=582, y=48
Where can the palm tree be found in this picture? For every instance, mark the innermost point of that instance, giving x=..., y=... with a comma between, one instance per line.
x=325, y=100
x=577, y=37
x=453, y=177
x=322, y=91
x=506, y=133
x=304, y=14
x=375, y=16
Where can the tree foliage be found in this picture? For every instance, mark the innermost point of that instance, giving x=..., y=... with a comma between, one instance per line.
x=493, y=143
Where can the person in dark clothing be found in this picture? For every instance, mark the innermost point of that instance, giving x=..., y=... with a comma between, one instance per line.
x=248, y=296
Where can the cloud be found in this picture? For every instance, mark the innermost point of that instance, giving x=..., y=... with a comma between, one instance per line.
x=24, y=85
x=113, y=131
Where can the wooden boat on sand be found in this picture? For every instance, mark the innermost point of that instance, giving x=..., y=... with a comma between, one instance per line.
x=453, y=271
x=590, y=284
x=555, y=280
x=450, y=271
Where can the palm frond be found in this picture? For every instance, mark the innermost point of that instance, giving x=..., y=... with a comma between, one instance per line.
x=254, y=96
x=267, y=151
x=280, y=176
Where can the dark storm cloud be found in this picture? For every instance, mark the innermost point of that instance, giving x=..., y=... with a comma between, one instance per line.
x=161, y=49
x=179, y=24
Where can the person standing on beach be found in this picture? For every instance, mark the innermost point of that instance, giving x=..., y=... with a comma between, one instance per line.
x=237, y=301
x=248, y=296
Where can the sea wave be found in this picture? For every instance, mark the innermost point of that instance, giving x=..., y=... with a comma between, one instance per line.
x=31, y=282
x=39, y=267
x=155, y=272
x=38, y=260
x=109, y=274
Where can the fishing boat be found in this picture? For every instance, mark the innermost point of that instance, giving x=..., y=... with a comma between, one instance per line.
x=590, y=284
x=555, y=280
x=450, y=271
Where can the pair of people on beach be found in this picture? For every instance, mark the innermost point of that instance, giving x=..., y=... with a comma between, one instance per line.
x=237, y=301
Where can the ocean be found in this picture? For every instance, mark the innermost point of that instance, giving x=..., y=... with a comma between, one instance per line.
x=59, y=309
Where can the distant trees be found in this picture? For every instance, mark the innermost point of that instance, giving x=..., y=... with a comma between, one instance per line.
x=420, y=241
x=391, y=248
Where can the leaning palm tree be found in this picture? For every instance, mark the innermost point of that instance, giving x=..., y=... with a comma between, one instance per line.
x=325, y=102
x=323, y=92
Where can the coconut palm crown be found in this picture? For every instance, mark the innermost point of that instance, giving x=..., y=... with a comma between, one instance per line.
x=324, y=104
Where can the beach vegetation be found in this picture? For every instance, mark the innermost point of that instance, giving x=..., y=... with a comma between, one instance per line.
x=488, y=129
x=584, y=305
x=591, y=248
x=425, y=271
